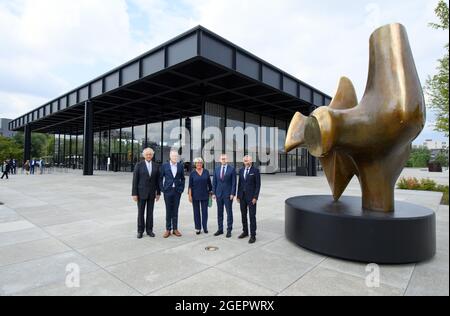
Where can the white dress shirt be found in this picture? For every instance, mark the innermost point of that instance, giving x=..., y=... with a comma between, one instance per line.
x=174, y=168
x=149, y=167
x=247, y=171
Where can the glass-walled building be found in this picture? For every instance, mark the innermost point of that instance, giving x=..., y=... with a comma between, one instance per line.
x=197, y=93
x=120, y=149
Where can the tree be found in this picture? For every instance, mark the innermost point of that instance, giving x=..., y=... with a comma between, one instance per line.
x=419, y=158
x=42, y=145
x=9, y=149
x=442, y=158
x=437, y=85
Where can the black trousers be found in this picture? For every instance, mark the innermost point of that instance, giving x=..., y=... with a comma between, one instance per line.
x=248, y=210
x=145, y=224
x=5, y=174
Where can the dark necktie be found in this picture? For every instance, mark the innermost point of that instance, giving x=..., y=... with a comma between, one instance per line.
x=222, y=175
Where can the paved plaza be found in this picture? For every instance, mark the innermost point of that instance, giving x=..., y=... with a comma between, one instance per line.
x=51, y=221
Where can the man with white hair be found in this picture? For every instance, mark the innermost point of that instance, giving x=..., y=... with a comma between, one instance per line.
x=248, y=194
x=172, y=183
x=146, y=191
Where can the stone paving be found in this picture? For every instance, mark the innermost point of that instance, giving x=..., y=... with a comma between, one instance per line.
x=50, y=221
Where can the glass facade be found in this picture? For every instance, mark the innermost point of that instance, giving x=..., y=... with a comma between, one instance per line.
x=115, y=150
x=252, y=124
x=154, y=140
x=214, y=129
x=126, y=149
x=223, y=129
x=234, y=137
x=139, y=142
x=196, y=137
x=282, y=161
x=171, y=137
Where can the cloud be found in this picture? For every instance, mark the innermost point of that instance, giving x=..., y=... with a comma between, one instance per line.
x=318, y=42
x=49, y=46
x=55, y=45
x=13, y=103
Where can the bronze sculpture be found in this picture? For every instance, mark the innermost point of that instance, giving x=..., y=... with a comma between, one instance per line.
x=372, y=139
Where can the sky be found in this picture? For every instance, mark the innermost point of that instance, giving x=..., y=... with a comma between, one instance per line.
x=48, y=47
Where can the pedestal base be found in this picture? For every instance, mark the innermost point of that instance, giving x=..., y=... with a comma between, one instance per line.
x=343, y=230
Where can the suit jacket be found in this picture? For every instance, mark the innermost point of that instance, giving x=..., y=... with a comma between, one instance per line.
x=166, y=179
x=144, y=185
x=226, y=187
x=249, y=188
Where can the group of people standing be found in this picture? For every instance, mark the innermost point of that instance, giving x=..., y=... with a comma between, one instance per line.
x=151, y=180
x=29, y=167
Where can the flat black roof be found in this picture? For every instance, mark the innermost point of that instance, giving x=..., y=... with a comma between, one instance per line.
x=173, y=80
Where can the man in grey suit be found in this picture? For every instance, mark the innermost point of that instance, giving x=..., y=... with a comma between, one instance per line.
x=146, y=191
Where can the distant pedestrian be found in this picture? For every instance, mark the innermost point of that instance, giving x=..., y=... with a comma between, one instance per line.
x=32, y=166
x=14, y=166
x=6, y=169
x=27, y=167
x=41, y=166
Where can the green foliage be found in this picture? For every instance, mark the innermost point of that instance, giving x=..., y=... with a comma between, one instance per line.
x=408, y=184
x=442, y=14
x=442, y=158
x=42, y=145
x=419, y=158
x=423, y=185
x=9, y=149
x=437, y=85
x=445, y=197
x=428, y=185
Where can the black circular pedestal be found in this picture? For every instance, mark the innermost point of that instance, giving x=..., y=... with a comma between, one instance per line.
x=343, y=230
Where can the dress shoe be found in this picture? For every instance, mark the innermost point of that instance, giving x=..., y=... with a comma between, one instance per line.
x=177, y=233
x=151, y=234
x=140, y=235
x=243, y=235
x=206, y=232
x=252, y=240
x=198, y=232
x=229, y=235
x=218, y=233
x=166, y=234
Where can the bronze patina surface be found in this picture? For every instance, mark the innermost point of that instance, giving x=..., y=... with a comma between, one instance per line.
x=372, y=139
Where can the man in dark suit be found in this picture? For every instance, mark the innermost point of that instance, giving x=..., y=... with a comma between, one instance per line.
x=146, y=191
x=248, y=195
x=172, y=183
x=224, y=189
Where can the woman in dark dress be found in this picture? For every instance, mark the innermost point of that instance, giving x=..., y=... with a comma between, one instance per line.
x=200, y=190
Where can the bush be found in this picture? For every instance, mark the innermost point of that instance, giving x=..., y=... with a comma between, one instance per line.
x=444, y=189
x=408, y=184
x=427, y=185
x=423, y=185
